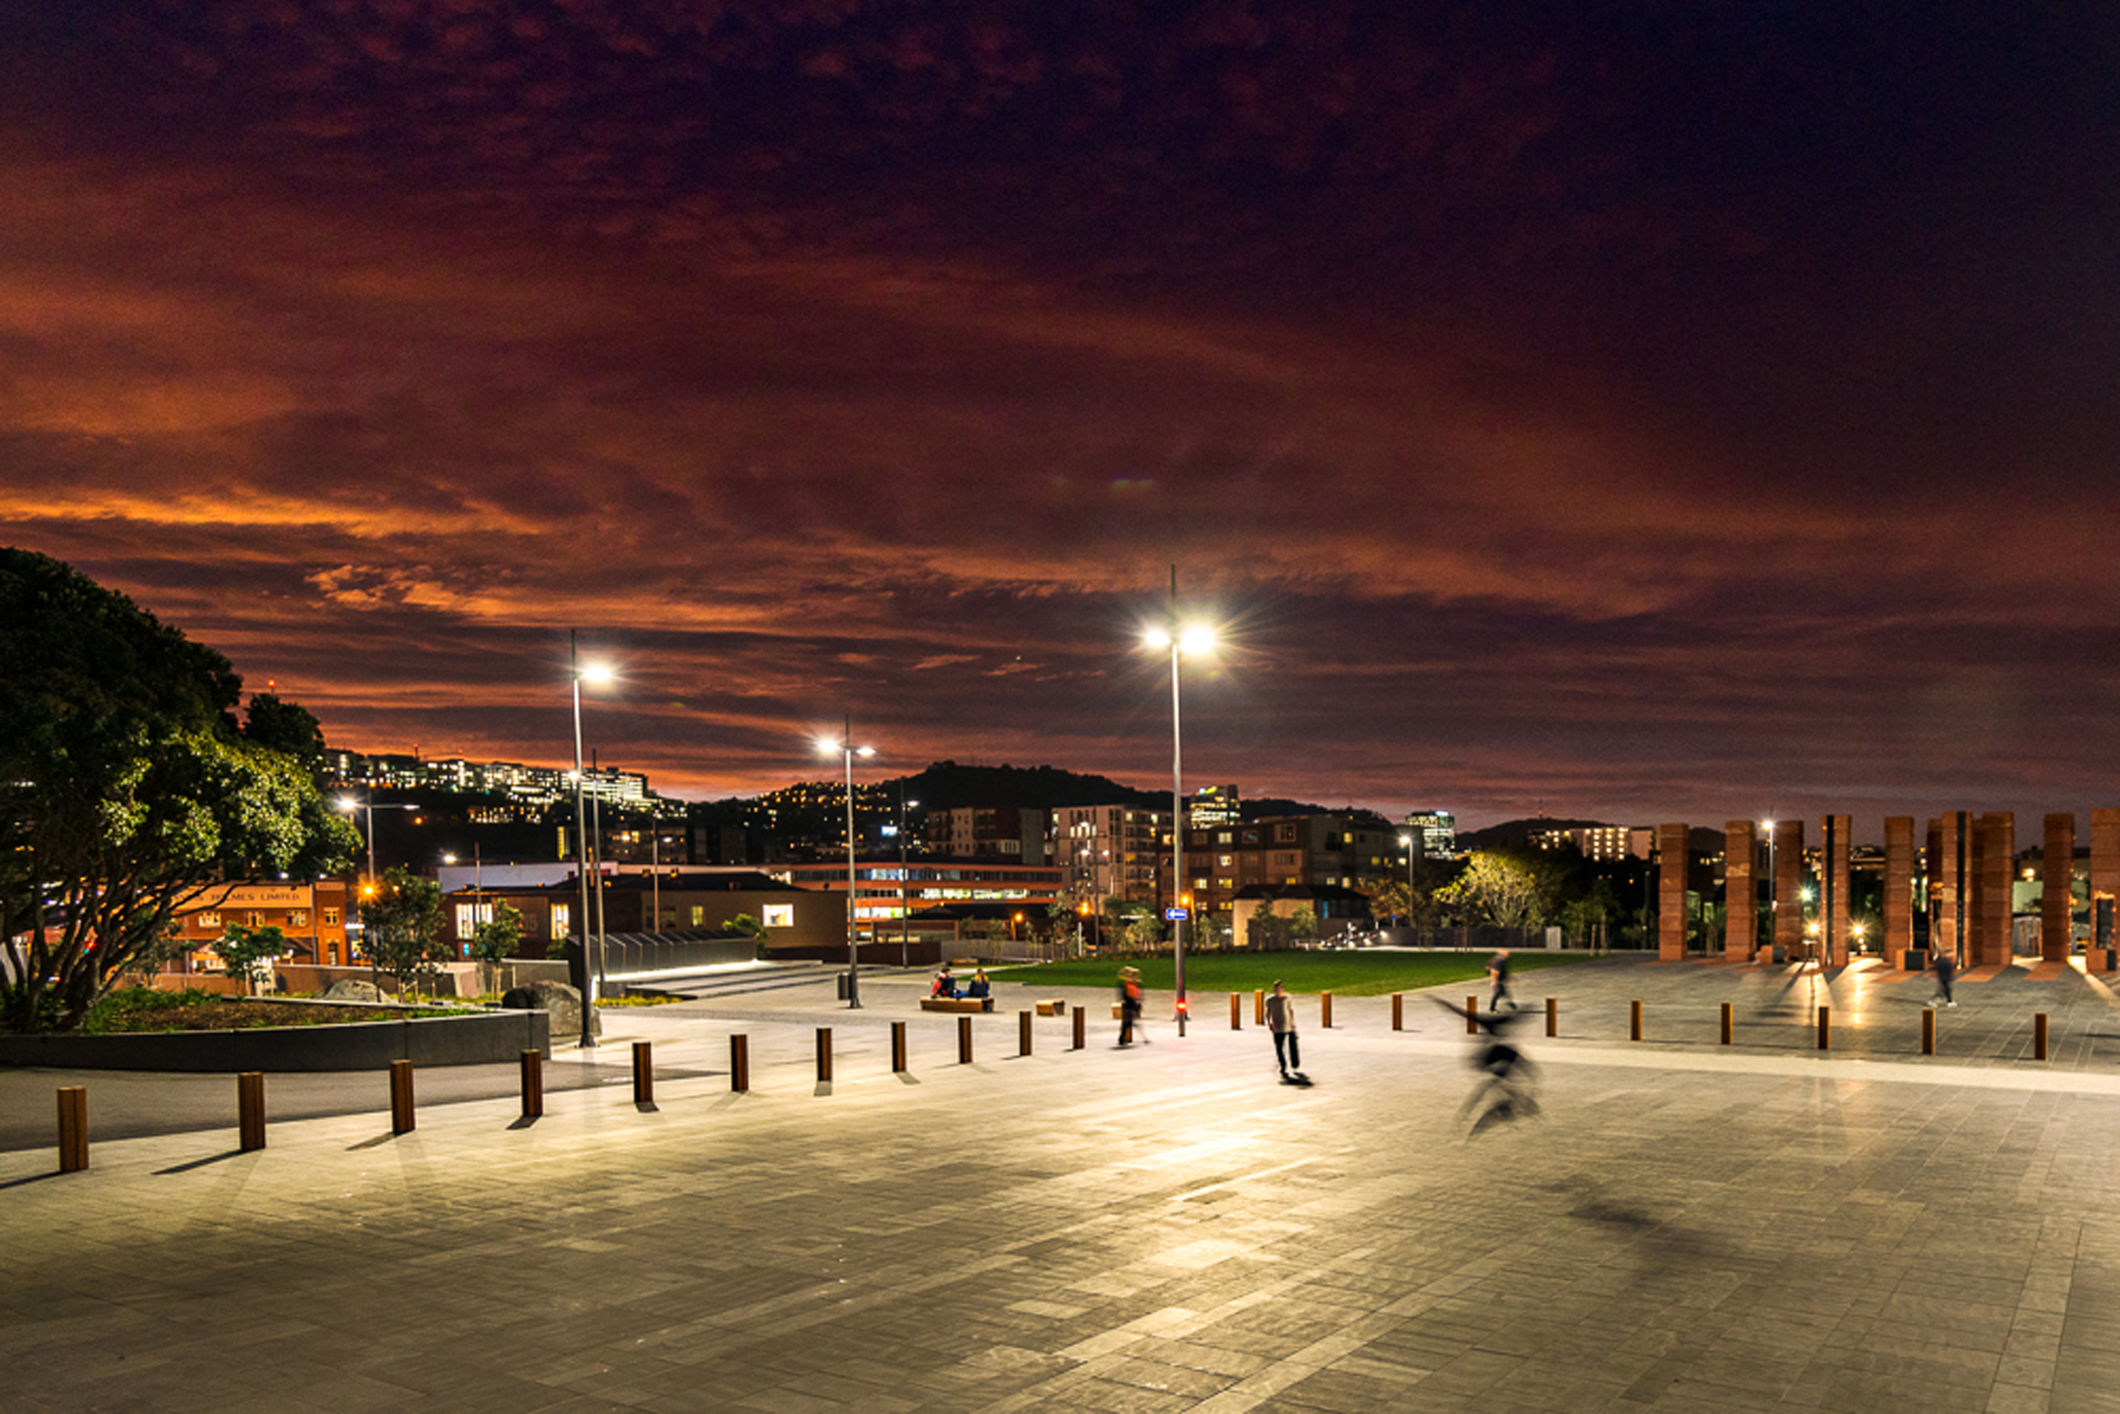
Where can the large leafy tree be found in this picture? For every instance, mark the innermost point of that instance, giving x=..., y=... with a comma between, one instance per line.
x=1509, y=888
x=126, y=792
x=402, y=925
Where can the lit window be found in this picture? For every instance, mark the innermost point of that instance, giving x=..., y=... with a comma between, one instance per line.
x=699, y=915
x=209, y=920
x=331, y=918
x=778, y=915
x=298, y=919
x=560, y=919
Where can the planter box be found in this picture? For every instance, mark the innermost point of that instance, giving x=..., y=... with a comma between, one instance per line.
x=484, y=1039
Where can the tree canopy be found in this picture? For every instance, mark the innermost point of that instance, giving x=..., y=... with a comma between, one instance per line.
x=126, y=792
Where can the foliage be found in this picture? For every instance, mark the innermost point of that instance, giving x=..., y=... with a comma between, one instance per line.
x=499, y=936
x=1345, y=973
x=242, y=950
x=1583, y=914
x=1508, y=888
x=1266, y=930
x=401, y=925
x=283, y=726
x=1303, y=925
x=134, y=1009
x=748, y=925
x=125, y=791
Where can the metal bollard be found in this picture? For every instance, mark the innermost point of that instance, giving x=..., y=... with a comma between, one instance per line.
x=964, y=1040
x=824, y=1055
x=1726, y=1023
x=1081, y=1022
x=1023, y=1033
x=1636, y=1033
x=1236, y=1011
x=739, y=1063
x=1325, y=1011
x=1553, y=1016
x=643, y=1074
x=1825, y=1028
x=73, y=1128
x=533, y=1084
x=898, y=1065
x=1398, y=1011
x=2038, y=1035
x=401, y=1117
x=1258, y=1006
x=1472, y=1016
x=250, y=1110
x=1928, y=1033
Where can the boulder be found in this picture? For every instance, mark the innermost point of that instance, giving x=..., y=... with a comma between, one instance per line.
x=561, y=1001
x=348, y=990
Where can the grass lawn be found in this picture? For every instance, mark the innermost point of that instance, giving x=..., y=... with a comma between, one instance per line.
x=1355, y=973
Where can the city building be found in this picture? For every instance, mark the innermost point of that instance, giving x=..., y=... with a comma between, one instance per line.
x=988, y=832
x=537, y=785
x=1214, y=806
x=313, y=917
x=1434, y=833
x=1606, y=842
x=687, y=900
x=884, y=890
x=1110, y=852
x=1306, y=850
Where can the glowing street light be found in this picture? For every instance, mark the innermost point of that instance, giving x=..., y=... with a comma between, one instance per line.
x=845, y=747
x=1194, y=639
x=595, y=674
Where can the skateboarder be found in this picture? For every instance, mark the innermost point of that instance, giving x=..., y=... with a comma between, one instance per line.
x=1281, y=1020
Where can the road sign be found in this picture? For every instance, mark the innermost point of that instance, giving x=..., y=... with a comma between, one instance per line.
x=1177, y=915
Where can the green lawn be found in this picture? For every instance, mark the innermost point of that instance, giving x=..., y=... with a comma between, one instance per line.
x=1347, y=974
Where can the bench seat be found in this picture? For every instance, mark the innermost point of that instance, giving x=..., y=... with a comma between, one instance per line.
x=967, y=1004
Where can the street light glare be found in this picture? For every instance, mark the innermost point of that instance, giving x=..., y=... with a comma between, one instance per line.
x=1197, y=639
x=1155, y=638
x=827, y=747
x=864, y=751
x=348, y=804
x=596, y=673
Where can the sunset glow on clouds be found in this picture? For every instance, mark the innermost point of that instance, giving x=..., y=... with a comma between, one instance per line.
x=1630, y=417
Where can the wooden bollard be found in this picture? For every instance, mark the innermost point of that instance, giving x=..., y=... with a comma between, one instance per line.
x=401, y=1117
x=1325, y=1011
x=533, y=1084
x=898, y=1065
x=1398, y=1011
x=643, y=1073
x=73, y=1128
x=824, y=1055
x=1236, y=1011
x=1825, y=1028
x=1081, y=1027
x=1553, y=1016
x=1726, y=1021
x=1472, y=1016
x=2038, y=1035
x=739, y=1063
x=1928, y=1033
x=1635, y=1033
x=1258, y=1006
x=250, y=1110
x=1023, y=1033
x=964, y=1040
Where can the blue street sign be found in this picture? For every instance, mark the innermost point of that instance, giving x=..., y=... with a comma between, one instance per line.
x=1177, y=915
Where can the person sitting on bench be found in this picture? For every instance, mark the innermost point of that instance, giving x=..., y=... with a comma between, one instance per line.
x=945, y=985
x=980, y=987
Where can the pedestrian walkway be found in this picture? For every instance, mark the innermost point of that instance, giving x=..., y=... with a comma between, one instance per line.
x=1684, y=1227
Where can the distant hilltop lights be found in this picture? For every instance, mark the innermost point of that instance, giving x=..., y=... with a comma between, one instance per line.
x=536, y=785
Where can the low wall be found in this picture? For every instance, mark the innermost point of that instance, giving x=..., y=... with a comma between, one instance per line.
x=362, y=1045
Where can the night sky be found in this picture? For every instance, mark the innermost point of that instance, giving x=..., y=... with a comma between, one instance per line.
x=1639, y=411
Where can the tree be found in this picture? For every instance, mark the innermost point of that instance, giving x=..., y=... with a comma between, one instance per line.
x=1508, y=888
x=500, y=936
x=1583, y=915
x=747, y=925
x=243, y=951
x=126, y=794
x=1392, y=900
x=1267, y=930
x=1303, y=925
x=279, y=725
x=401, y=925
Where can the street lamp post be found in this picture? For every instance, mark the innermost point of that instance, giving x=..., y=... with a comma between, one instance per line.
x=846, y=748
x=905, y=891
x=1406, y=841
x=1773, y=901
x=599, y=673
x=1188, y=640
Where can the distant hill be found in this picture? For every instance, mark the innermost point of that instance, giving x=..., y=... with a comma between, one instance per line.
x=1516, y=834
x=949, y=786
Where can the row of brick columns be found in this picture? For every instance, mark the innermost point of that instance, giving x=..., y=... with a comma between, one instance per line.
x=1971, y=871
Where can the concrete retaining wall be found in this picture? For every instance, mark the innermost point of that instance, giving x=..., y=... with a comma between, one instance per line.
x=362, y=1045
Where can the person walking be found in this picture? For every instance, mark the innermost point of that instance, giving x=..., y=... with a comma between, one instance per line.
x=1944, y=965
x=1130, y=1006
x=1281, y=1020
x=1498, y=970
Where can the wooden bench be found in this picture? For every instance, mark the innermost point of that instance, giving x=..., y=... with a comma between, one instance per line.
x=1055, y=1007
x=970, y=1004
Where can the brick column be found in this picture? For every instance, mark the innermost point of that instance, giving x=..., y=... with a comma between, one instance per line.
x=1671, y=892
x=1950, y=883
x=1740, y=889
x=1898, y=888
x=1833, y=892
x=2105, y=877
x=2057, y=889
x=1988, y=920
x=1788, y=886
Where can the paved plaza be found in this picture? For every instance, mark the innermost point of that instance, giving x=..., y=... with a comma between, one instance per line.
x=1683, y=1226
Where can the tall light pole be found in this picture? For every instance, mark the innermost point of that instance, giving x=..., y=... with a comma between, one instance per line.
x=579, y=673
x=1196, y=639
x=1406, y=842
x=348, y=805
x=905, y=889
x=846, y=748
x=1773, y=902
